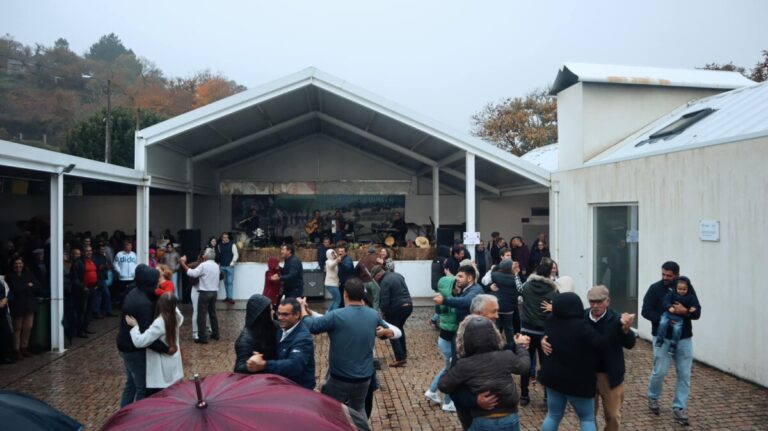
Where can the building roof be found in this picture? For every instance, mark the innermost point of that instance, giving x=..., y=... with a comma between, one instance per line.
x=571, y=73
x=544, y=157
x=285, y=111
x=737, y=115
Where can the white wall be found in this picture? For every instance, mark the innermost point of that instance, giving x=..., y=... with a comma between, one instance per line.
x=592, y=117
x=673, y=192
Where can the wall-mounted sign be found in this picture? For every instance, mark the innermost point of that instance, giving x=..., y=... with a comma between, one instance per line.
x=709, y=230
x=471, y=238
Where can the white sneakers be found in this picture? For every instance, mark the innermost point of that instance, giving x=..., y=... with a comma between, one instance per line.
x=433, y=396
x=449, y=407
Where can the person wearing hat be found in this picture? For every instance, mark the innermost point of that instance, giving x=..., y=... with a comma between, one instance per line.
x=569, y=373
x=610, y=361
x=396, y=306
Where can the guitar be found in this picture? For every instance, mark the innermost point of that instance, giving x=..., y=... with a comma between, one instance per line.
x=311, y=227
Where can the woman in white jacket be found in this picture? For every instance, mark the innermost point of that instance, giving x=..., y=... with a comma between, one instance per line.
x=162, y=370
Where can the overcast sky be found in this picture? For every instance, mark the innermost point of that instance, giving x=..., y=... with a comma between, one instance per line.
x=444, y=59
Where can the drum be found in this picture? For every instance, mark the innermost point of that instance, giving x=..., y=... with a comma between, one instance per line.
x=389, y=241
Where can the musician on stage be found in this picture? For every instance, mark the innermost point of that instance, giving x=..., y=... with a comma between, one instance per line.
x=338, y=227
x=315, y=227
x=400, y=227
x=251, y=223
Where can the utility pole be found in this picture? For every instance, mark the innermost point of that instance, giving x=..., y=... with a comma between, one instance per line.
x=108, y=141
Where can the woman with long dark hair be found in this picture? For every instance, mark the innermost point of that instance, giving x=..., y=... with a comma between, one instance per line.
x=162, y=370
x=258, y=335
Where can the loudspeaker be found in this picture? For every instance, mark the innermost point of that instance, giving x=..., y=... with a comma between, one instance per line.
x=314, y=283
x=189, y=242
x=445, y=236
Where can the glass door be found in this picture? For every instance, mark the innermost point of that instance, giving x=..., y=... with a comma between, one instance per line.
x=615, y=257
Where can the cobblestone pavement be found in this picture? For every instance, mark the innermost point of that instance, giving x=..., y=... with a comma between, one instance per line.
x=86, y=382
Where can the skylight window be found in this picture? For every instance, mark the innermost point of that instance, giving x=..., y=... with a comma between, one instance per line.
x=682, y=123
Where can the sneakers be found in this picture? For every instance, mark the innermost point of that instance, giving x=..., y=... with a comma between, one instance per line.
x=449, y=407
x=672, y=350
x=653, y=406
x=659, y=342
x=681, y=416
x=433, y=396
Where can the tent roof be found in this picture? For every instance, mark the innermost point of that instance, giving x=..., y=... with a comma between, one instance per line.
x=20, y=156
x=572, y=73
x=285, y=111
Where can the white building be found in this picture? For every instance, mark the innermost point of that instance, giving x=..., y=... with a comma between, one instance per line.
x=658, y=165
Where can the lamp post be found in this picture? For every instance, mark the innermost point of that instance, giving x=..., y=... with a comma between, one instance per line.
x=108, y=126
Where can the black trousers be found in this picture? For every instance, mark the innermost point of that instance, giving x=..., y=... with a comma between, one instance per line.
x=206, y=305
x=532, y=349
x=397, y=316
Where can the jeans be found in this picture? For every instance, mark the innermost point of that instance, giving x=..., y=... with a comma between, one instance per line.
x=556, y=401
x=350, y=393
x=397, y=316
x=532, y=349
x=229, y=280
x=206, y=306
x=668, y=318
x=446, y=348
x=510, y=422
x=103, y=299
x=509, y=325
x=335, y=297
x=135, y=376
x=683, y=362
x=176, y=286
x=195, y=295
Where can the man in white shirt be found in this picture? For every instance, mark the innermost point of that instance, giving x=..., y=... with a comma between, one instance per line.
x=125, y=266
x=208, y=273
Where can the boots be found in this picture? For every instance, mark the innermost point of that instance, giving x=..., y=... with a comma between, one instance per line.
x=26, y=353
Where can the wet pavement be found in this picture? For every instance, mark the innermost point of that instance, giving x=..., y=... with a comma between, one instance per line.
x=86, y=382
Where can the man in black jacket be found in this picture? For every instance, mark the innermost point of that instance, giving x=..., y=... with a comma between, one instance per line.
x=653, y=308
x=610, y=364
x=139, y=303
x=396, y=306
x=292, y=272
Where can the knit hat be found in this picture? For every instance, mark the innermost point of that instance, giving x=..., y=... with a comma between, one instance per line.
x=505, y=265
x=376, y=270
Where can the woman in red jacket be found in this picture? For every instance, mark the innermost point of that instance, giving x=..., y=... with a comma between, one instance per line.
x=272, y=287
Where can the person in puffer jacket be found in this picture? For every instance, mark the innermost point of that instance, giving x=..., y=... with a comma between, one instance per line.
x=484, y=366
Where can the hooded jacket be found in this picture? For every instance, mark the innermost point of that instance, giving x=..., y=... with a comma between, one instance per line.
x=249, y=342
x=576, y=346
x=448, y=322
x=272, y=288
x=535, y=290
x=140, y=303
x=484, y=366
x=331, y=269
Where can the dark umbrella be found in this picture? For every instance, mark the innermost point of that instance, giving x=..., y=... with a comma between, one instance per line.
x=229, y=401
x=23, y=412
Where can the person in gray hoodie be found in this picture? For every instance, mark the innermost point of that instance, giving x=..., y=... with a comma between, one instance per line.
x=482, y=366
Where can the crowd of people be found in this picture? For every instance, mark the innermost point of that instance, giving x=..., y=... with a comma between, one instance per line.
x=505, y=312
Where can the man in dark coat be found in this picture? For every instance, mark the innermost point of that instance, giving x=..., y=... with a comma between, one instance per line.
x=292, y=272
x=396, y=306
x=139, y=303
x=653, y=308
x=295, y=349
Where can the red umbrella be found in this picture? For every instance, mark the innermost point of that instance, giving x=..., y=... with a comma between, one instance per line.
x=229, y=401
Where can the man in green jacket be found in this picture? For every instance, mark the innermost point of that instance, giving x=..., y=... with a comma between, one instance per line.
x=445, y=342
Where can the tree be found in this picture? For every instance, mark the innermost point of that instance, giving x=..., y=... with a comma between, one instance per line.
x=107, y=49
x=87, y=137
x=212, y=89
x=758, y=74
x=519, y=124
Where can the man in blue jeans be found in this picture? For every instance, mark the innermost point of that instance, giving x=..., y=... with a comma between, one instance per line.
x=653, y=308
x=227, y=259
